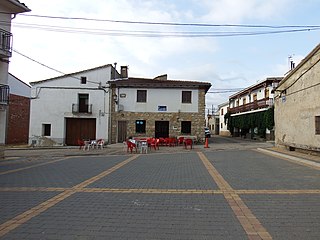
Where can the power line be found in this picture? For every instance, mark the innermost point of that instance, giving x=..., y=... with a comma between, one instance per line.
x=51, y=68
x=141, y=33
x=171, y=23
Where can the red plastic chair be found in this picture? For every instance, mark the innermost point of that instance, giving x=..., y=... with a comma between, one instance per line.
x=131, y=146
x=188, y=142
x=81, y=144
x=154, y=143
x=180, y=140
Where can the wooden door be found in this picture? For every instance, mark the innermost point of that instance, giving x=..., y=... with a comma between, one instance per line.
x=80, y=128
x=161, y=129
x=122, y=131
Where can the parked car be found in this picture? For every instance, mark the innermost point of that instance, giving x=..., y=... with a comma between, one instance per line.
x=207, y=132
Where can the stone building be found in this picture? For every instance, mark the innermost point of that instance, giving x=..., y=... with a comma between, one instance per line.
x=297, y=106
x=157, y=107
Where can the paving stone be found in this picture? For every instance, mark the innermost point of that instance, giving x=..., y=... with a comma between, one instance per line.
x=123, y=215
x=287, y=216
x=65, y=173
x=15, y=203
x=174, y=171
x=247, y=169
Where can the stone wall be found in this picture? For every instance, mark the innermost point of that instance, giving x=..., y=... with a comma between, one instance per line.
x=197, y=121
x=297, y=106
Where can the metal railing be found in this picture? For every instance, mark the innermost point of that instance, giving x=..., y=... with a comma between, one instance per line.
x=4, y=94
x=258, y=104
x=76, y=108
x=5, y=43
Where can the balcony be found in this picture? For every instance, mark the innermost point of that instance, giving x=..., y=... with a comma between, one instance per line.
x=258, y=104
x=81, y=109
x=4, y=94
x=5, y=44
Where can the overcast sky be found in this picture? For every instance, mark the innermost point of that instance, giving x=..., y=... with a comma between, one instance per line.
x=150, y=50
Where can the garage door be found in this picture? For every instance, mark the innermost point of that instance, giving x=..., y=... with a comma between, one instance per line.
x=83, y=128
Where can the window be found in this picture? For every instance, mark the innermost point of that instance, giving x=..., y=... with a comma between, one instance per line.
x=83, y=103
x=46, y=130
x=244, y=101
x=140, y=126
x=141, y=95
x=83, y=80
x=186, y=96
x=221, y=125
x=162, y=108
x=221, y=111
x=317, y=122
x=186, y=127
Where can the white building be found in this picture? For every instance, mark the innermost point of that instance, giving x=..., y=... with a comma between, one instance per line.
x=8, y=8
x=157, y=108
x=223, y=127
x=71, y=107
x=247, y=106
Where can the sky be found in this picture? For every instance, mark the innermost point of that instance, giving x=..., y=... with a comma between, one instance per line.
x=199, y=44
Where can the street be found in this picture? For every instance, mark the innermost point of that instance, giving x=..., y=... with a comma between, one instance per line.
x=231, y=190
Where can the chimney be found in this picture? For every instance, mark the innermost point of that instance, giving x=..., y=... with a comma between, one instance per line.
x=124, y=71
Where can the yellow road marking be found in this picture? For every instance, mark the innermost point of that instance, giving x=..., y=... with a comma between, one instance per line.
x=35, y=211
x=248, y=221
x=35, y=165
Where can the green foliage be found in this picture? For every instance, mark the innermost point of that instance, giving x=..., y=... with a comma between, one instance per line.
x=260, y=120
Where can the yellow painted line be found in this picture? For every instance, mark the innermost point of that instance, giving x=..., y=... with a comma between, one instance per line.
x=35, y=211
x=33, y=166
x=248, y=221
x=289, y=192
x=33, y=189
x=289, y=158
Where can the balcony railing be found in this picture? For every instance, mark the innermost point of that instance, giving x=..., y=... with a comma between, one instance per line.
x=4, y=94
x=258, y=104
x=78, y=109
x=5, y=44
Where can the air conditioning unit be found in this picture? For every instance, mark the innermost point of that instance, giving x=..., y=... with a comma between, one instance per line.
x=120, y=107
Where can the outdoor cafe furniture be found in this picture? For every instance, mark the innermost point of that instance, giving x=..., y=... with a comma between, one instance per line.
x=188, y=142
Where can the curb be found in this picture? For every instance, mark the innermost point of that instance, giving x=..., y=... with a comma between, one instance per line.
x=292, y=158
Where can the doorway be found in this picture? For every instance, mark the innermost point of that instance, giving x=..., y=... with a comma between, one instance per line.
x=122, y=131
x=161, y=129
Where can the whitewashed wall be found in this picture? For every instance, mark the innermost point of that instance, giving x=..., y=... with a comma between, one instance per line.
x=52, y=100
x=158, y=97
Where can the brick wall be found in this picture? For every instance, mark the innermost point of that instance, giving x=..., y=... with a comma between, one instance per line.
x=18, y=120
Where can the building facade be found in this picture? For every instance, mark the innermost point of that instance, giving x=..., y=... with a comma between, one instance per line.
x=7, y=9
x=223, y=127
x=249, y=114
x=19, y=111
x=68, y=108
x=297, y=106
x=157, y=108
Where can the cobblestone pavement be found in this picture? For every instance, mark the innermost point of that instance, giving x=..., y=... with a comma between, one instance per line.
x=236, y=189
